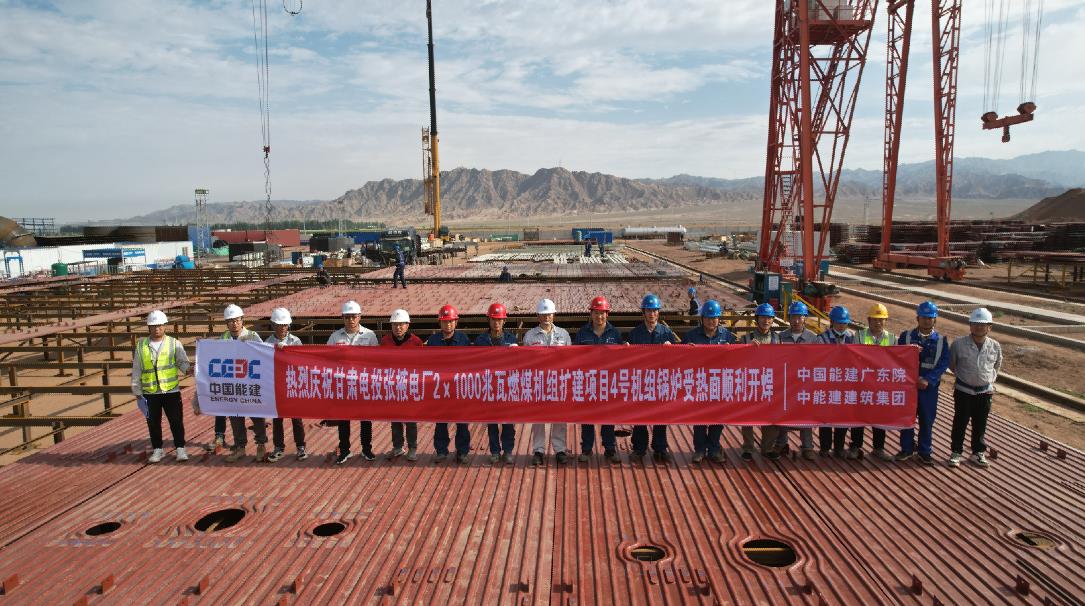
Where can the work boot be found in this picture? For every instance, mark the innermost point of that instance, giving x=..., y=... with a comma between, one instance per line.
x=584, y=457
x=771, y=455
x=507, y=459
x=697, y=457
x=302, y=453
x=236, y=454
x=156, y=455
x=275, y=455
x=218, y=442
x=562, y=458
x=395, y=452
x=980, y=460
x=717, y=458
x=854, y=454
x=261, y=453
x=825, y=453
x=784, y=449
x=954, y=460
x=926, y=459
x=637, y=458
x=808, y=454
x=838, y=453
x=495, y=459
x=412, y=454
x=747, y=456
x=462, y=458
x=181, y=454
x=612, y=457
x=537, y=459
x=663, y=456
x=903, y=456
x=440, y=457
x=880, y=454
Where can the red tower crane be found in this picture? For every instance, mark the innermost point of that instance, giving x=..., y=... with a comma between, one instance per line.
x=819, y=52
x=946, y=27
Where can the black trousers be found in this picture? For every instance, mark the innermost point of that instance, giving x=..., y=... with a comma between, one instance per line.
x=241, y=436
x=397, y=434
x=279, y=439
x=170, y=403
x=366, y=436
x=970, y=408
x=835, y=437
x=857, y=434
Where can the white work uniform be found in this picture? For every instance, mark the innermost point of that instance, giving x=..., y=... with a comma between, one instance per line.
x=557, y=336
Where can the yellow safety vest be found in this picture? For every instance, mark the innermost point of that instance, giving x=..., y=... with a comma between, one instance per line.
x=159, y=375
x=866, y=339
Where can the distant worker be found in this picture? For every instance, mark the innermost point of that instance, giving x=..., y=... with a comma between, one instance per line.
x=235, y=329
x=706, y=438
x=505, y=275
x=448, y=336
x=547, y=334
x=323, y=278
x=874, y=334
x=502, y=435
x=797, y=334
x=401, y=336
x=976, y=360
x=280, y=323
x=838, y=333
x=933, y=362
x=651, y=332
x=598, y=331
x=694, y=304
x=602, y=250
x=762, y=334
x=353, y=334
x=158, y=365
x=401, y=267
x=587, y=247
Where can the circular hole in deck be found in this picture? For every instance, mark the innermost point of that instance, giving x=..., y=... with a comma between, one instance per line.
x=622, y=433
x=1035, y=539
x=103, y=528
x=220, y=520
x=329, y=529
x=769, y=552
x=647, y=553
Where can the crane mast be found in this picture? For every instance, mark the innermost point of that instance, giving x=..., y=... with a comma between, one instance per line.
x=431, y=170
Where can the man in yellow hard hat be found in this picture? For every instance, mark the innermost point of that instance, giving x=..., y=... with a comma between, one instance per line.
x=874, y=334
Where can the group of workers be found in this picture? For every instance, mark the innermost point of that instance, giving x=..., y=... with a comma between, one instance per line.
x=159, y=363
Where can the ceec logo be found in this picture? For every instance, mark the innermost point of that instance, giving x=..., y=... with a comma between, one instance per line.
x=231, y=368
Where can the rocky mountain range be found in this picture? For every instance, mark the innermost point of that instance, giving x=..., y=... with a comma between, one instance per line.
x=478, y=194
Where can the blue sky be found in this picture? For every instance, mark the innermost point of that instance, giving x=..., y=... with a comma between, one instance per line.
x=116, y=108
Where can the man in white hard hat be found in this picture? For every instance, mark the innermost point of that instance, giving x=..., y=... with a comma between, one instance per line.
x=975, y=359
x=280, y=323
x=547, y=334
x=158, y=365
x=354, y=334
x=401, y=336
x=235, y=329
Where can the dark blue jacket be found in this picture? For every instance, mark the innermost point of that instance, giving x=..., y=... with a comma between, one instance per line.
x=933, y=358
x=697, y=337
x=458, y=338
x=587, y=336
x=507, y=338
x=831, y=339
x=401, y=260
x=640, y=335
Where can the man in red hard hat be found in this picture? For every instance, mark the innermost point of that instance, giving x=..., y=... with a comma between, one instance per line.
x=598, y=331
x=502, y=435
x=448, y=317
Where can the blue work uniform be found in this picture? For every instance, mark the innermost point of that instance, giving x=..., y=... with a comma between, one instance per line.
x=463, y=430
x=834, y=437
x=933, y=362
x=640, y=335
x=502, y=436
x=706, y=438
x=401, y=266
x=586, y=336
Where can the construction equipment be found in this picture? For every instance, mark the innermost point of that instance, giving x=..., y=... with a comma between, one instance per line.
x=431, y=171
x=819, y=52
x=946, y=24
x=1032, y=12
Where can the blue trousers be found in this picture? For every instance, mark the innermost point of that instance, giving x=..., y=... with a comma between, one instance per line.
x=441, y=439
x=640, y=438
x=502, y=438
x=399, y=273
x=926, y=410
x=706, y=439
x=606, y=433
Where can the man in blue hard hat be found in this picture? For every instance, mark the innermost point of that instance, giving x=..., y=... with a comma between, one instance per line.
x=401, y=267
x=838, y=333
x=797, y=334
x=651, y=332
x=694, y=305
x=933, y=362
x=706, y=438
x=762, y=334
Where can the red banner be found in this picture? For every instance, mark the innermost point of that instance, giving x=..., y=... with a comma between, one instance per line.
x=855, y=385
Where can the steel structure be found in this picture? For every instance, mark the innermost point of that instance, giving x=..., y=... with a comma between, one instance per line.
x=819, y=51
x=431, y=171
x=946, y=26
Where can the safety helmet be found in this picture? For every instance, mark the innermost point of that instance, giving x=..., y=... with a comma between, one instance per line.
x=400, y=315
x=281, y=315
x=546, y=306
x=878, y=312
x=350, y=307
x=497, y=311
x=839, y=315
x=156, y=318
x=711, y=309
x=927, y=309
x=981, y=316
x=765, y=309
x=395, y=246
x=651, y=301
x=448, y=312
x=798, y=308
x=600, y=304
x=232, y=311
x=692, y=291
